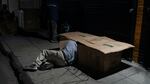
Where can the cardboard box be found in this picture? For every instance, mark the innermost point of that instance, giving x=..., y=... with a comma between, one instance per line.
x=96, y=53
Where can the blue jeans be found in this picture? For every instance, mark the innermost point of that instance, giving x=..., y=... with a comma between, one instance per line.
x=70, y=51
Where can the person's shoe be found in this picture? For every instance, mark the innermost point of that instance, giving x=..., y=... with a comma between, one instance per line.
x=46, y=66
x=31, y=67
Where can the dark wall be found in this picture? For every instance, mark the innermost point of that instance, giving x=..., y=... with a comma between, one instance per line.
x=107, y=17
x=71, y=12
x=99, y=17
x=145, y=39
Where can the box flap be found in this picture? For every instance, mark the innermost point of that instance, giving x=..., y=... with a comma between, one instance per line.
x=101, y=43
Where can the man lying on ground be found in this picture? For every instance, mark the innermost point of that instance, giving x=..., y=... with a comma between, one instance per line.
x=55, y=58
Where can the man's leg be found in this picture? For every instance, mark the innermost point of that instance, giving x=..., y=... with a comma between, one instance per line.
x=56, y=57
x=46, y=60
x=40, y=59
x=40, y=63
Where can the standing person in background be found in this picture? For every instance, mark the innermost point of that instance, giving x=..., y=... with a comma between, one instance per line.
x=21, y=19
x=49, y=18
x=19, y=16
x=52, y=10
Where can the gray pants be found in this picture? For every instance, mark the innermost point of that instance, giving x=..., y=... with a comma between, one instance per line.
x=58, y=57
x=52, y=57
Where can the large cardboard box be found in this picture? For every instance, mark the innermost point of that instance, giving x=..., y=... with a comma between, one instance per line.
x=96, y=53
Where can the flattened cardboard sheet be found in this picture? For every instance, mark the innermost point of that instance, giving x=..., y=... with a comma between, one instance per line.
x=102, y=43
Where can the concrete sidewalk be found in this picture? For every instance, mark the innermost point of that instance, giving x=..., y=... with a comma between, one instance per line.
x=24, y=51
x=7, y=75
